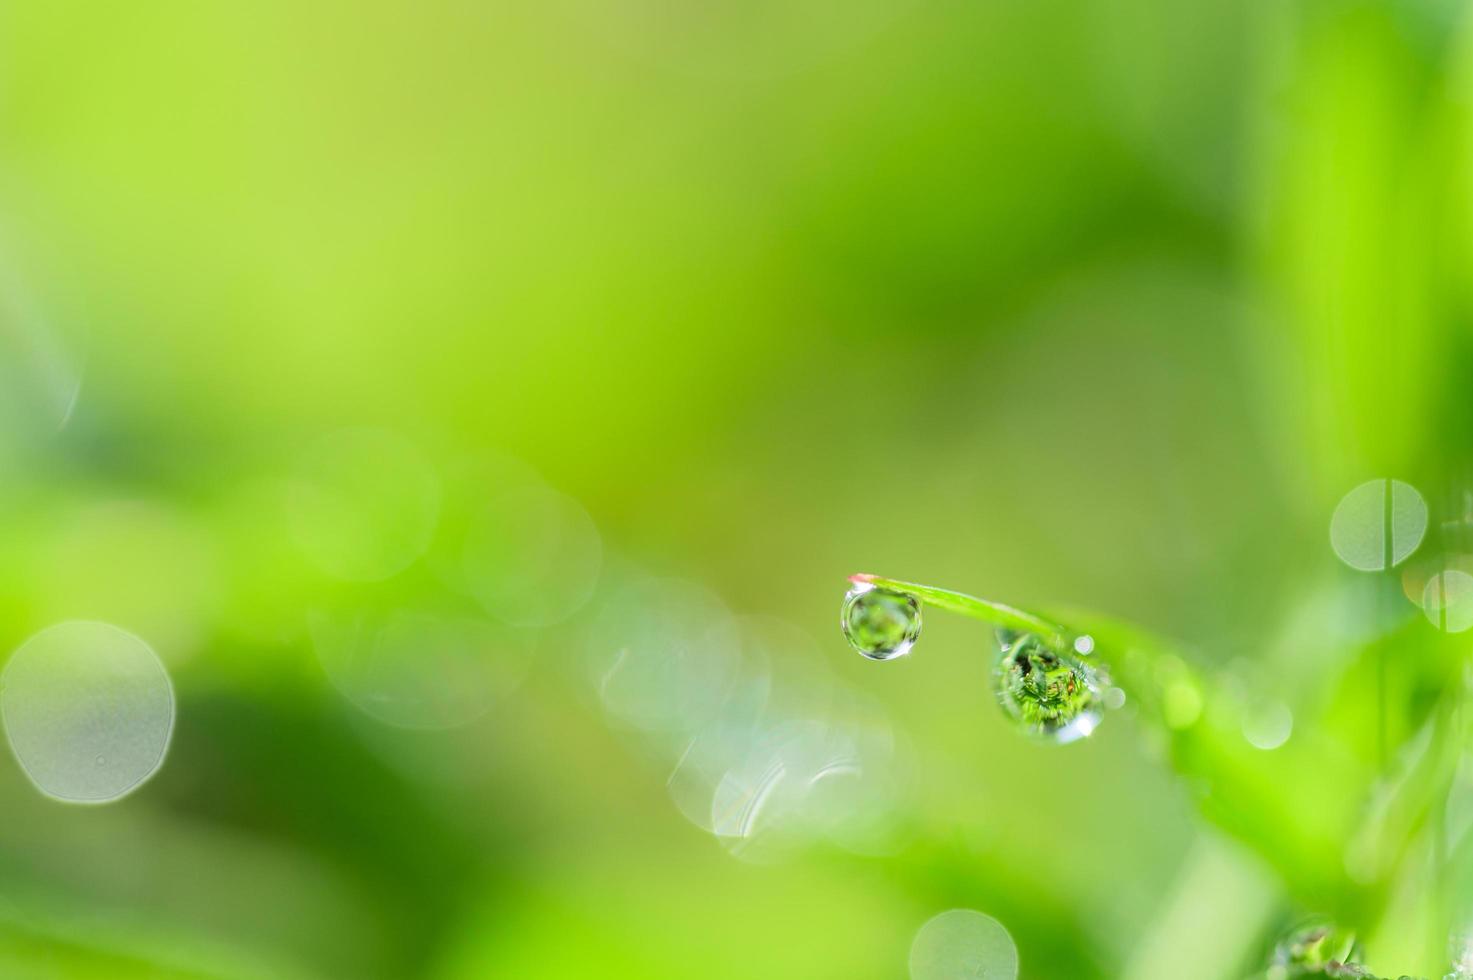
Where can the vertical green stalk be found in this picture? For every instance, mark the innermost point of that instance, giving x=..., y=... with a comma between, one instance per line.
x=1387, y=560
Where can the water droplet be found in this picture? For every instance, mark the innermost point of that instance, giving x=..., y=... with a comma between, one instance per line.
x=1378, y=525
x=880, y=623
x=78, y=694
x=963, y=944
x=1048, y=694
x=1447, y=600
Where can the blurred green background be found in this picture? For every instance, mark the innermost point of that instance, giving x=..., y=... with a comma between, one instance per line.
x=1063, y=302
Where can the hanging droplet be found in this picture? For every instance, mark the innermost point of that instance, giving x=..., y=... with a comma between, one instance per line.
x=1050, y=695
x=880, y=623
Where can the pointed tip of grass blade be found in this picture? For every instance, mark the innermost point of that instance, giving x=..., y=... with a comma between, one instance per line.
x=861, y=579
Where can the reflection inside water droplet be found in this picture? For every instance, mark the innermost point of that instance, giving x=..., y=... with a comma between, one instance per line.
x=88, y=709
x=880, y=623
x=1048, y=694
x=963, y=945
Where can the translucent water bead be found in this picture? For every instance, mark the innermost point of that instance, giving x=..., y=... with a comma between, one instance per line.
x=1047, y=694
x=880, y=623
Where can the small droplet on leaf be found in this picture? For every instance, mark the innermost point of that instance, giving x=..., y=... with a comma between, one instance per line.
x=880, y=623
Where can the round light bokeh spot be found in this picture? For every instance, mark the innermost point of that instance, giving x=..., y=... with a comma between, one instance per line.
x=531, y=556
x=41, y=364
x=855, y=798
x=420, y=669
x=1268, y=726
x=723, y=740
x=527, y=554
x=1414, y=574
x=1378, y=525
x=800, y=781
x=664, y=654
x=88, y=709
x=963, y=945
x=362, y=504
x=1181, y=704
x=787, y=756
x=767, y=752
x=765, y=791
x=1447, y=600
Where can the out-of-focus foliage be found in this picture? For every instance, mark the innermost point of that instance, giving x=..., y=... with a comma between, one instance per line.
x=326, y=328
